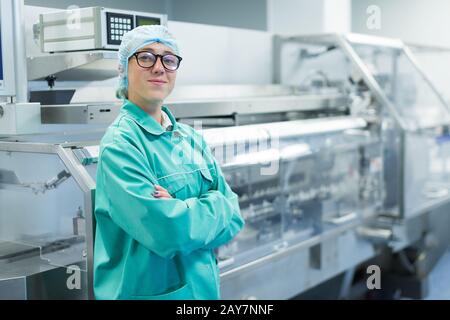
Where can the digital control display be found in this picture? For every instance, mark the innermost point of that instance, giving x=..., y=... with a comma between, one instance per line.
x=145, y=21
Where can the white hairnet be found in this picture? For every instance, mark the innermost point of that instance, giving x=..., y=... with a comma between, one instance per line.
x=135, y=39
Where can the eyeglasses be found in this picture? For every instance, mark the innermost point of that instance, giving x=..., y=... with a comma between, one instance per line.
x=146, y=59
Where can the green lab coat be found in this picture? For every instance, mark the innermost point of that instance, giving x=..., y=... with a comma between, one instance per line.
x=150, y=248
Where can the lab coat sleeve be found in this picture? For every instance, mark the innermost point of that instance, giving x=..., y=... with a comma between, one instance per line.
x=237, y=222
x=164, y=226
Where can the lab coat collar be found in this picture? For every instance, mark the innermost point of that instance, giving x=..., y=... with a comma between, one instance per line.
x=166, y=122
x=146, y=121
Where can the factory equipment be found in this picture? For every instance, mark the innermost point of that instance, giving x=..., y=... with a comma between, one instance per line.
x=387, y=87
x=302, y=185
x=90, y=28
x=17, y=115
x=302, y=198
x=7, y=80
x=44, y=252
x=346, y=153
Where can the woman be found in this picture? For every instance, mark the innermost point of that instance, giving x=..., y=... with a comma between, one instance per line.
x=162, y=203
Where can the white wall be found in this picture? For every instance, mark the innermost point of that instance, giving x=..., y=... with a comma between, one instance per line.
x=425, y=22
x=222, y=55
x=308, y=16
x=249, y=14
x=294, y=16
x=337, y=16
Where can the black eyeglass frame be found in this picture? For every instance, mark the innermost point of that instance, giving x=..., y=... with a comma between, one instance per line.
x=156, y=59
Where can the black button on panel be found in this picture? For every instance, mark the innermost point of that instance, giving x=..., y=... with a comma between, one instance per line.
x=117, y=25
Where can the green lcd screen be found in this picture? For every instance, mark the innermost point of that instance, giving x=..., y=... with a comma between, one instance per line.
x=145, y=21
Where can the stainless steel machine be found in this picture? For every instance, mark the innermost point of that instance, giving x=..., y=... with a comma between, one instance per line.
x=342, y=161
x=388, y=88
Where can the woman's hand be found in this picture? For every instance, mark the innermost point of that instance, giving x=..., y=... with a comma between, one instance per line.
x=160, y=192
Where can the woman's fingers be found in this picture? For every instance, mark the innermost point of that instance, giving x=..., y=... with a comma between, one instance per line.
x=161, y=189
x=160, y=192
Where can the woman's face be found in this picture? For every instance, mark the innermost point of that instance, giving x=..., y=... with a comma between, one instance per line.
x=150, y=85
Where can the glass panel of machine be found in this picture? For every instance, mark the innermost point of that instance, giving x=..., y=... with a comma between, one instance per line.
x=404, y=86
x=321, y=182
x=42, y=224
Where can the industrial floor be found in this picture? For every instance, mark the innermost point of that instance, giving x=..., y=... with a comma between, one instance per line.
x=439, y=282
x=438, y=285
